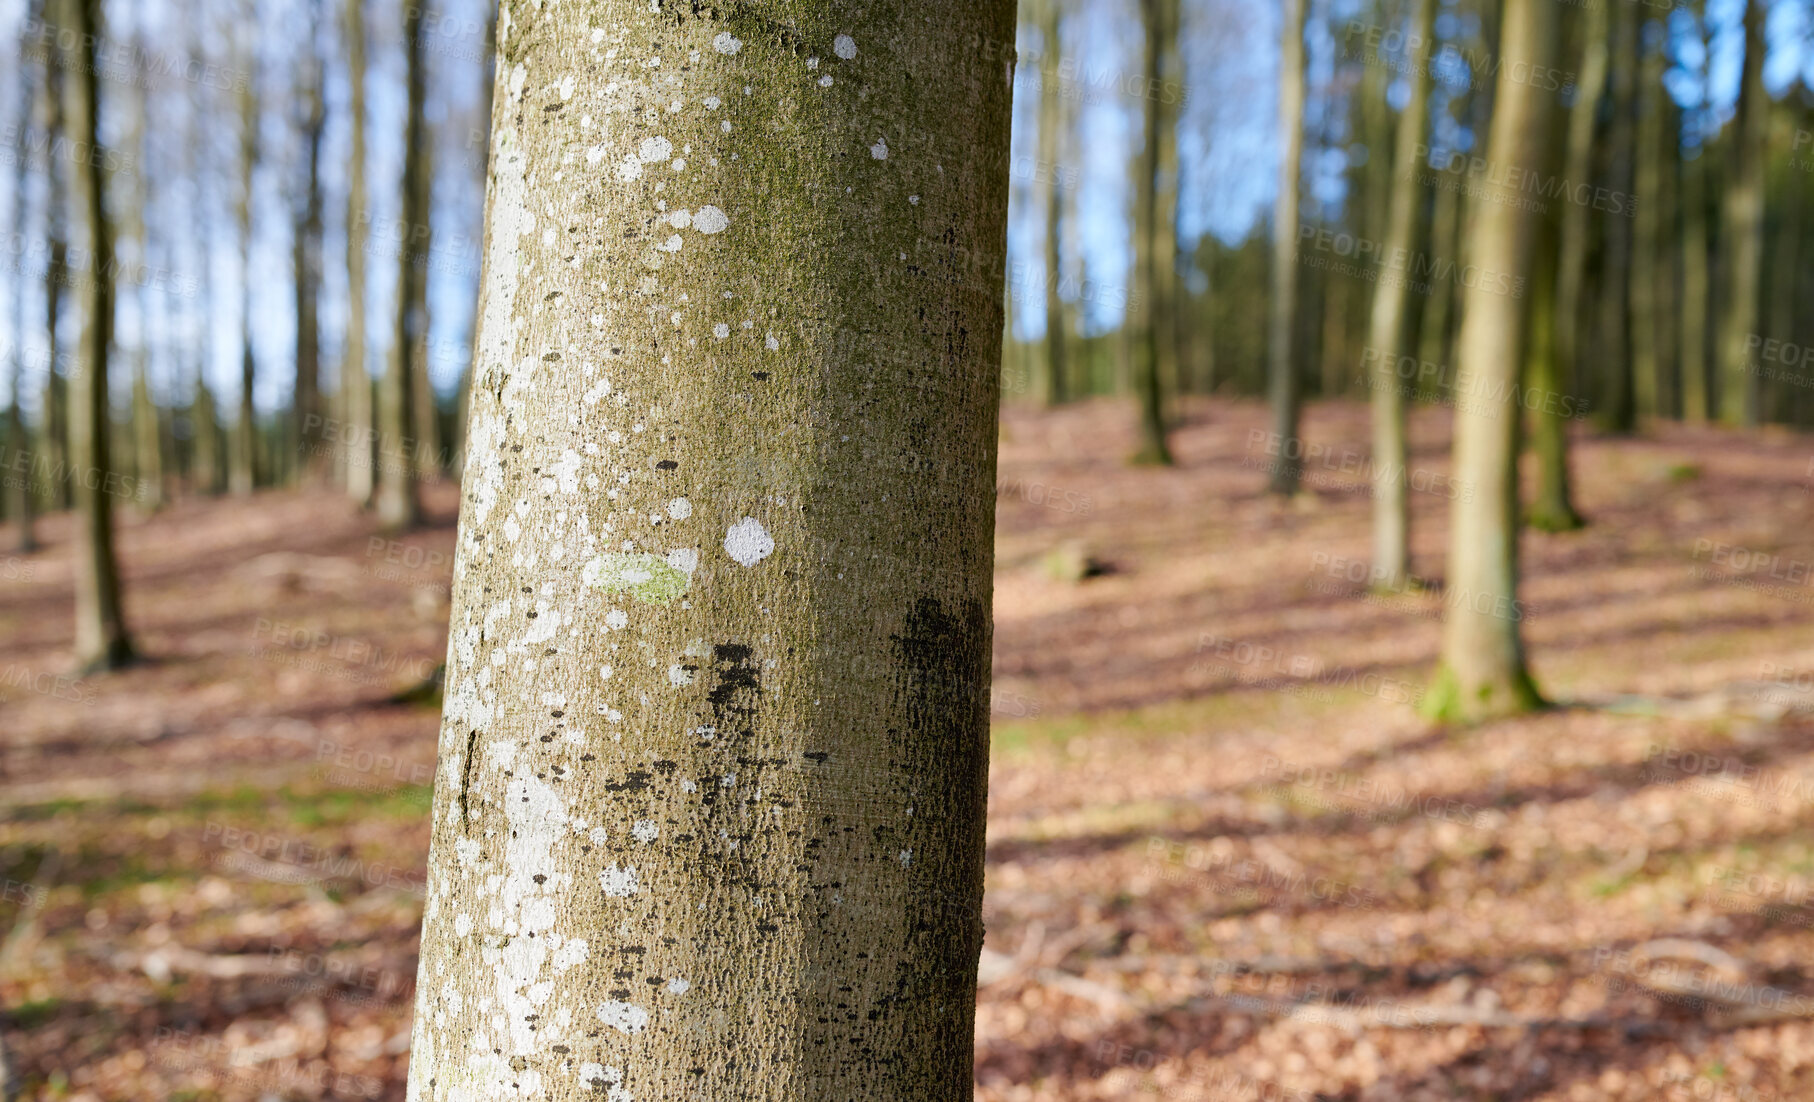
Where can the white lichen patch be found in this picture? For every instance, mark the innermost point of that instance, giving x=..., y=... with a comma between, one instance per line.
x=727, y=43
x=678, y=986
x=680, y=508
x=654, y=149
x=880, y=149
x=844, y=46
x=710, y=220
x=623, y=1017
x=645, y=830
x=748, y=542
x=618, y=882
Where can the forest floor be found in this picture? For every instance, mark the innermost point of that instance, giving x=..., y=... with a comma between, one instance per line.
x=1226, y=858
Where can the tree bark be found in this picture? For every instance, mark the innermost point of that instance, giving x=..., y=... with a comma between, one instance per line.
x=1578, y=169
x=1149, y=370
x=1647, y=267
x=101, y=640
x=1618, y=412
x=146, y=438
x=398, y=507
x=1388, y=333
x=1696, y=288
x=1553, y=507
x=243, y=465
x=1283, y=384
x=1483, y=672
x=1743, y=236
x=710, y=808
x=1777, y=403
x=308, y=415
x=355, y=379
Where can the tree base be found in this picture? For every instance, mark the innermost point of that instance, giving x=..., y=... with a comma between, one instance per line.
x=118, y=655
x=1554, y=517
x=1152, y=455
x=1448, y=701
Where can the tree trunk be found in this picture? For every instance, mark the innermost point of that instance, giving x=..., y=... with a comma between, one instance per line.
x=1388, y=332
x=1483, y=672
x=1051, y=149
x=1743, y=232
x=1144, y=317
x=147, y=438
x=1647, y=267
x=1434, y=327
x=242, y=473
x=425, y=417
x=1553, y=508
x=307, y=412
x=1695, y=286
x=709, y=820
x=1779, y=386
x=1618, y=411
x=1283, y=385
x=397, y=503
x=355, y=380
x=101, y=640
x=54, y=452
x=1578, y=170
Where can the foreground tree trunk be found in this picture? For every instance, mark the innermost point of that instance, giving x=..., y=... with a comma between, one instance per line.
x=1389, y=330
x=1283, y=386
x=397, y=443
x=355, y=380
x=709, y=818
x=101, y=640
x=1743, y=236
x=1483, y=672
